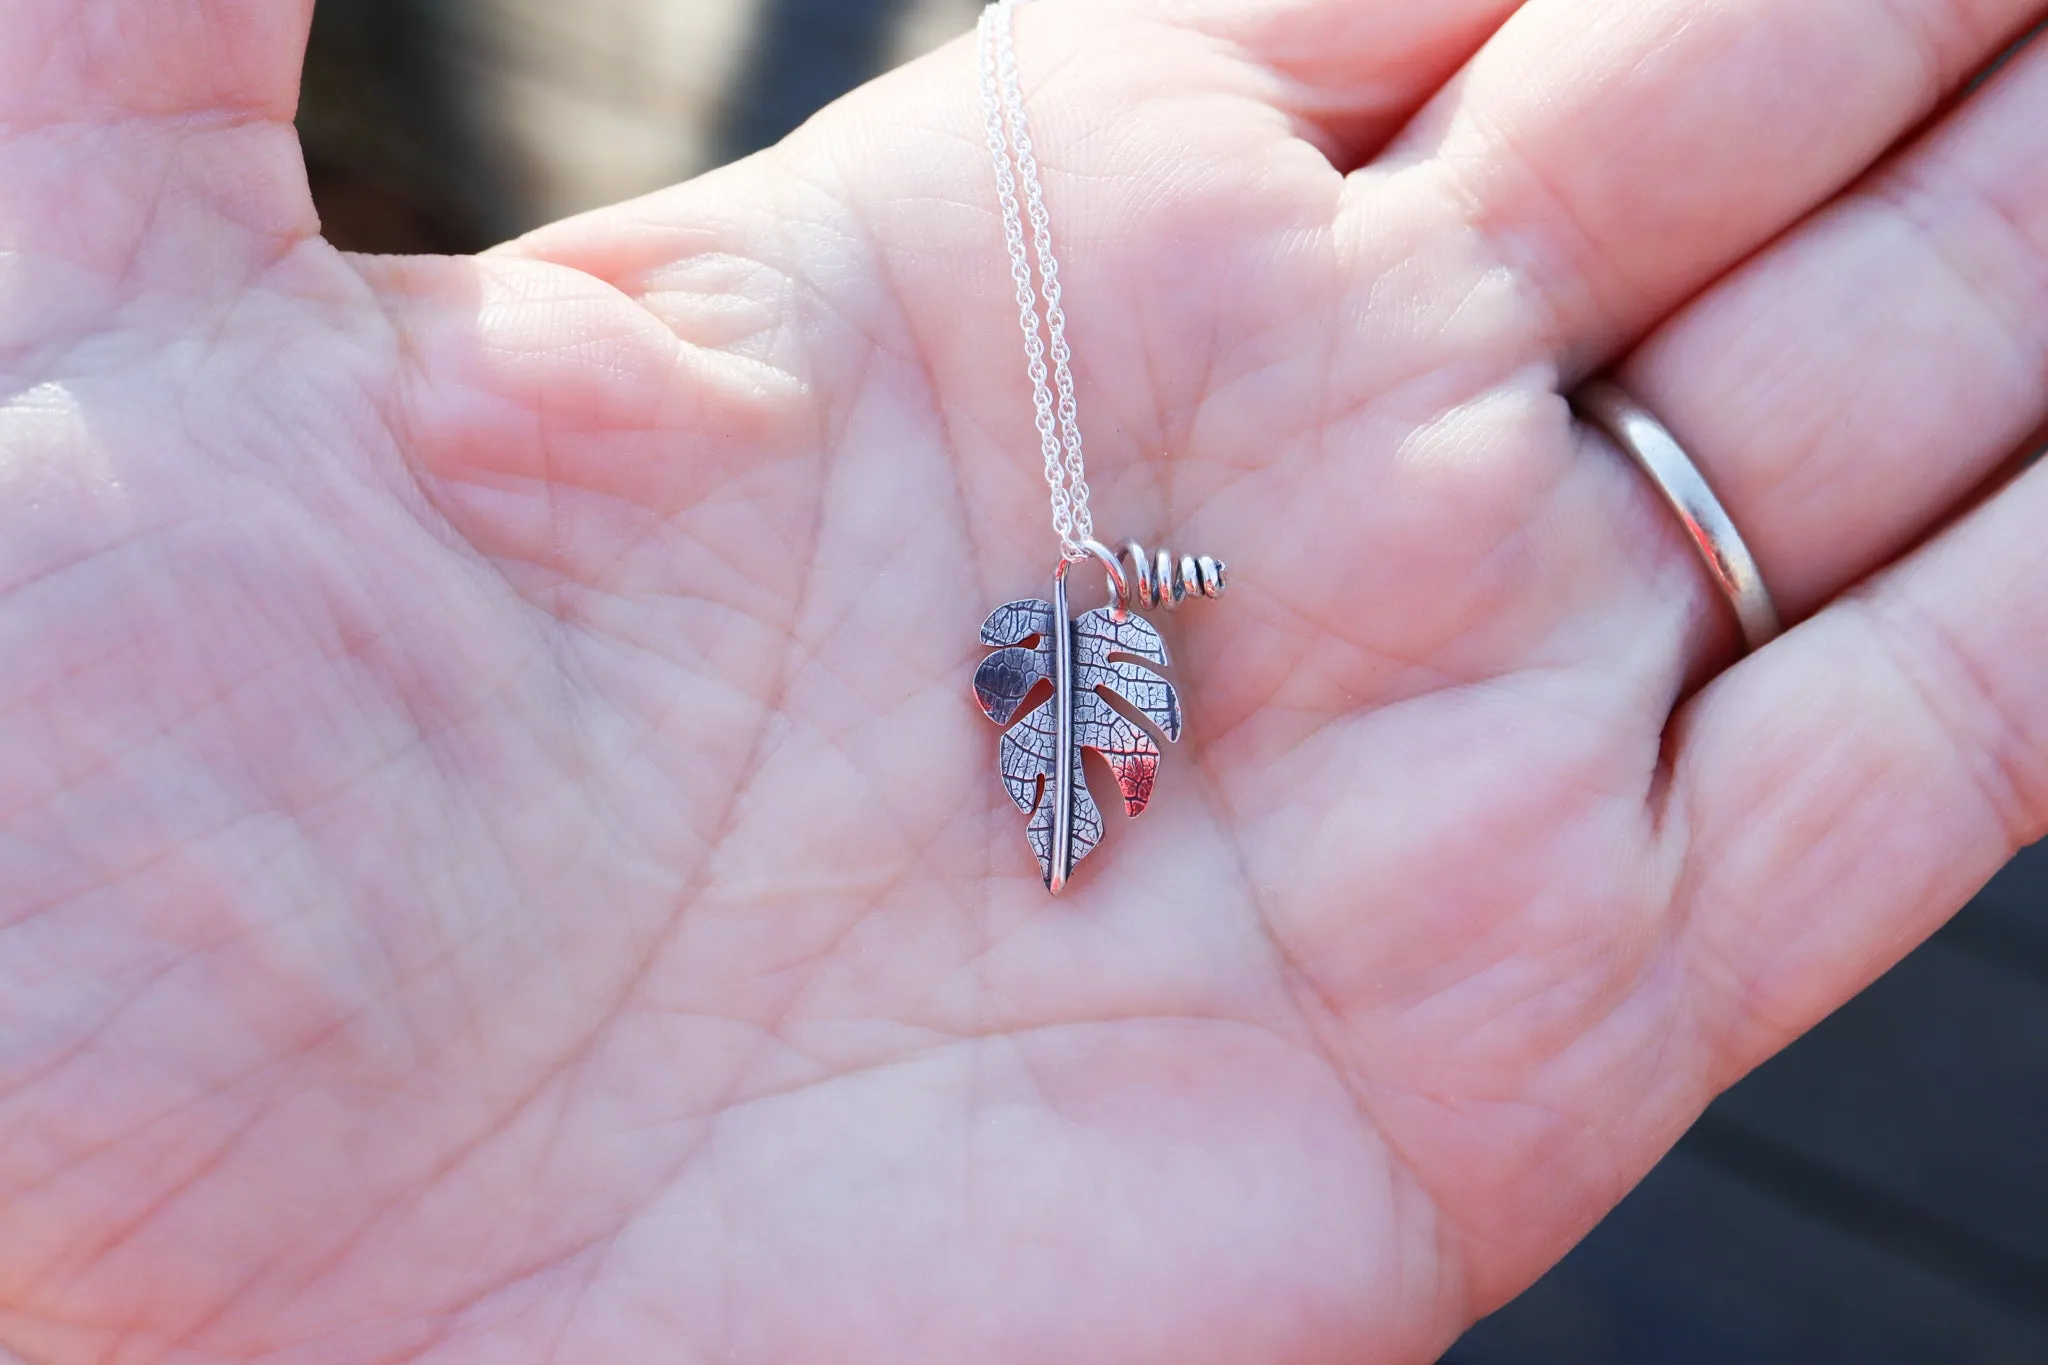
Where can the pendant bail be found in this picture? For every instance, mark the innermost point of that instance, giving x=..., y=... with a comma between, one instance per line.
x=1113, y=569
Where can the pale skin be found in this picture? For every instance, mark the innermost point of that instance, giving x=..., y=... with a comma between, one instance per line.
x=499, y=861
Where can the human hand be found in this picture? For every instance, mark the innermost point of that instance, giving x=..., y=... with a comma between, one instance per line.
x=499, y=858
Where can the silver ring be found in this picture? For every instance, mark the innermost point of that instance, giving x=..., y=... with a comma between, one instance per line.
x=1119, y=586
x=1656, y=451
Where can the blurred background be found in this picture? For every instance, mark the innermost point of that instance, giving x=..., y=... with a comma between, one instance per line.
x=447, y=125
x=1879, y=1193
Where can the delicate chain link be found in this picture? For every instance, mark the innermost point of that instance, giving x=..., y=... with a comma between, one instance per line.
x=1045, y=337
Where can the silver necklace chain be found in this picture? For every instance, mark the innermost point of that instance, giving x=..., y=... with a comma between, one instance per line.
x=1045, y=334
x=1117, y=651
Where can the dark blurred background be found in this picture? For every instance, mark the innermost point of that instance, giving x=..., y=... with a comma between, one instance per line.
x=447, y=125
x=1878, y=1193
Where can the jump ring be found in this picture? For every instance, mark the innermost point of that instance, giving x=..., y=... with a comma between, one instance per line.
x=1657, y=453
x=1119, y=586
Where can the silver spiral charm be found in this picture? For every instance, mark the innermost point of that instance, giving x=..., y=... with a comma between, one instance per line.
x=1163, y=579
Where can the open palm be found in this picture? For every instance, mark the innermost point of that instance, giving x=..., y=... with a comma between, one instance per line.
x=499, y=860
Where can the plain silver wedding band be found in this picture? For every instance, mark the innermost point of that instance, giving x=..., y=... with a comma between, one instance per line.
x=1657, y=453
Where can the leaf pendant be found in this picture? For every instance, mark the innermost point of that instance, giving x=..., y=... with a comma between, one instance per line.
x=1088, y=659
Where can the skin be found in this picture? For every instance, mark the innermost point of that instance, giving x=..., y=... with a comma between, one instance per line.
x=498, y=858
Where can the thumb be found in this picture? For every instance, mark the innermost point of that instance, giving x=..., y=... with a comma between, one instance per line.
x=146, y=151
x=108, y=61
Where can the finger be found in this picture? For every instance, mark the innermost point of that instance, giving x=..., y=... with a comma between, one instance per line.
x=1352, y=73
x=1619, y=154
x=1842, y=794
x=146, y=150
x=101, y=61
x=1847, y=389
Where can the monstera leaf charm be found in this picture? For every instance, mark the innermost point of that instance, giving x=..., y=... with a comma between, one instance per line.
x=1101, y=654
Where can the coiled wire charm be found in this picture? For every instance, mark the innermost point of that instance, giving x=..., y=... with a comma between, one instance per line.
x=1156, y=579
x=1163, y=579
